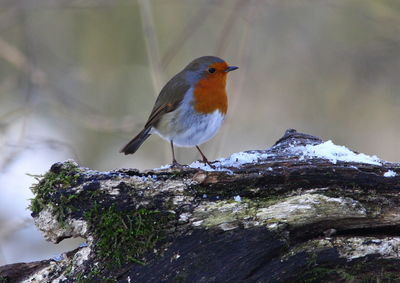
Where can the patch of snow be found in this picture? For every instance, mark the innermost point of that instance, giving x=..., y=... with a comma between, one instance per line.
x=329, y=150
x=240, y=158
x=59, y=257
x=166, y=166
x=206, y=167
x=184, y=217
x=237, y=198
x=235, y=160
x=204, y=196
x=142, y=178
x=197, y=223
x=83, y=244
x=222, y=164
x=389, y=174
x=114, y=192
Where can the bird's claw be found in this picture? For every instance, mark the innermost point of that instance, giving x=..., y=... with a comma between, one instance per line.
x=177, y=165
x=205, y=161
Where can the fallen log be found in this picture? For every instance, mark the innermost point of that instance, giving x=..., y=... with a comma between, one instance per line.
x=303, y=210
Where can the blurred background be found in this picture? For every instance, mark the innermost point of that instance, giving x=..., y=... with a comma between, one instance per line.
x=79, y=78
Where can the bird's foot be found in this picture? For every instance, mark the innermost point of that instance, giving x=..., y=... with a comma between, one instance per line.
x=175, y=164
x=205, y=161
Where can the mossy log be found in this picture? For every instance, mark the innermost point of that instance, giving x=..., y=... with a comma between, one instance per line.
x=286, y=216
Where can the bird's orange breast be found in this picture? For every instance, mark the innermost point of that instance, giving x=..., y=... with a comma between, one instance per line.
x=210, y=91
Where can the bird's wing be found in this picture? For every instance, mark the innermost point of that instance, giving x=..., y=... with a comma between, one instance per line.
x=169, y=99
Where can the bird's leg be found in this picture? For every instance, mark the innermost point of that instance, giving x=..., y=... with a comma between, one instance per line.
x=205, y=160
x=174, y=162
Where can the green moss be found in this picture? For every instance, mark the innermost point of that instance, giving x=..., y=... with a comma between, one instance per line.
x=180, y=278
x=312, y=247
x=316, y=274
x=93, y=276
x=120, y=237
x=68, y=269
x=54, y=181
x=337, y=274
x=374, y=271
x=81, y=279
x=264, y=201
x=95, y=194
x=177, y=174
x=383, y=270
x=125, y=236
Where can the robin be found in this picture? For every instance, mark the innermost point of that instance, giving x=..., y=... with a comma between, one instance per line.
x=190, y=108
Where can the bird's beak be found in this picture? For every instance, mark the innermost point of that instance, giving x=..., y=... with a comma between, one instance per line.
x=231, y=68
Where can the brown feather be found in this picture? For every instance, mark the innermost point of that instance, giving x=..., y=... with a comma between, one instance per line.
x=169, y=99
x=132, y=146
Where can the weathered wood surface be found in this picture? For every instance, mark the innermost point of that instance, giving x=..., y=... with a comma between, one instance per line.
x=285, y=217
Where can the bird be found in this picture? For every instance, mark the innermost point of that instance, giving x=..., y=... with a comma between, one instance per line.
x=190, y=108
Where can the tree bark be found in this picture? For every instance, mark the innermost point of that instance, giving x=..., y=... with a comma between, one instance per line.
x=286, y=214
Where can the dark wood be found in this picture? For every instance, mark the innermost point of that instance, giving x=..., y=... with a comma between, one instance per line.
x=354, y=240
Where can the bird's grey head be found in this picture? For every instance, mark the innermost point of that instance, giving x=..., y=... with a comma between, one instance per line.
x=205, y=65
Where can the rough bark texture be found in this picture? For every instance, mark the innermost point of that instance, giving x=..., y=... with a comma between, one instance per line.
x=285, y=217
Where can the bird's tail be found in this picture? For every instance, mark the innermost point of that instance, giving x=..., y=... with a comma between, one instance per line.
x=136, y=142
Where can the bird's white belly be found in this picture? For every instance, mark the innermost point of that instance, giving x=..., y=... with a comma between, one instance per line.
x=188, y=128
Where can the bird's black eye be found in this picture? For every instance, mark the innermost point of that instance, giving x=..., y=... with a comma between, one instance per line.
x=211, y=70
